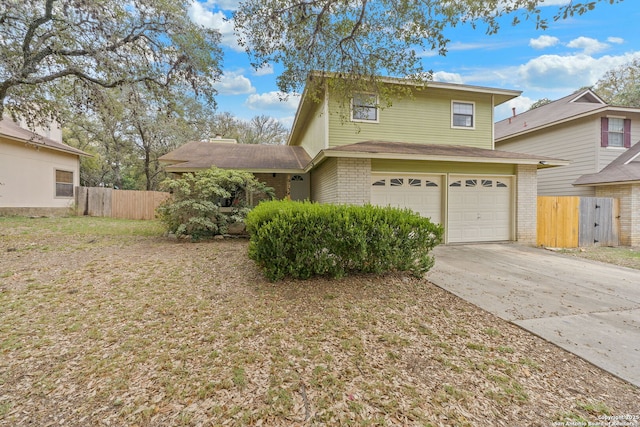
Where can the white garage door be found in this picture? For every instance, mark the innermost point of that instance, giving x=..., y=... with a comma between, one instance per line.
x=420, y=193
x=479, y=209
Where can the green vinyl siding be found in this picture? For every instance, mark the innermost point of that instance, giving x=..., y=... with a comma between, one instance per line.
x=424, y=118
x=383, y=165
x=314, y=136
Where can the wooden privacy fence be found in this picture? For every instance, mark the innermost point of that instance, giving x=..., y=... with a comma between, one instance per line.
x=125, y=204
x=571, y=222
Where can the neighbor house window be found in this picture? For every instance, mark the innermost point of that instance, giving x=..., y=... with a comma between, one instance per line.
x=364, y=107
x=462, y=114
x=64, y=183
x=616, y=132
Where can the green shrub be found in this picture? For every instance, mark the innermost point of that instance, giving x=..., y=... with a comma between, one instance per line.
x=194, y=206
x=302, y=239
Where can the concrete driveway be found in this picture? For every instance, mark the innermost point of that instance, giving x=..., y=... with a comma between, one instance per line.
x=588, y=308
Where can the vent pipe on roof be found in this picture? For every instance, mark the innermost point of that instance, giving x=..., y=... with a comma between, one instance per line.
x=513, y=109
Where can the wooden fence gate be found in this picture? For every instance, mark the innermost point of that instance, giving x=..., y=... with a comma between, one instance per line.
x=570, y=222
x=125, y=204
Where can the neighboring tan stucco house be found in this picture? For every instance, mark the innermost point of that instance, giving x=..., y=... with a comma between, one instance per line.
x=38, y=174
x=580, y=128
x=431, y=152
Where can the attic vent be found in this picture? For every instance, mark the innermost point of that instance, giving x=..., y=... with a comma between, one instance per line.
x=588, y=97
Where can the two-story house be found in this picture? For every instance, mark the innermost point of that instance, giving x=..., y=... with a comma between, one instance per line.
x=596, y=138
x=431, y=152
x=581, y=128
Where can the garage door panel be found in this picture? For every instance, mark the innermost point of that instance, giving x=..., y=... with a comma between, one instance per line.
x=479, y=209
x=420, y=193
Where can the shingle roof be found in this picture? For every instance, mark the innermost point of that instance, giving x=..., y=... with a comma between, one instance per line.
x=440, y=152
x=10, y=129
x=202, y=155
x=625, y=168
x=574, y=105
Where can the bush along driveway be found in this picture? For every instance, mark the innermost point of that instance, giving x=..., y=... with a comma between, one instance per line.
x=106, y=322
x=589, y=308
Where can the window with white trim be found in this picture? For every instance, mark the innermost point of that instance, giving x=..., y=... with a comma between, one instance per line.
x=64, y=183
x=616, y=132
x=364, y=107
x=462, y=114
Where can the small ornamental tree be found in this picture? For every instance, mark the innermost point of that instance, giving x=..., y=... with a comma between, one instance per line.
x=194, y=206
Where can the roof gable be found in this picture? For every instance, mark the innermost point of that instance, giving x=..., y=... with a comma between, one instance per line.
x=588, y=97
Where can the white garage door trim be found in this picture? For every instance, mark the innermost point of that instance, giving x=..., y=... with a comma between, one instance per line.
x=480, y=208
x=419, y=192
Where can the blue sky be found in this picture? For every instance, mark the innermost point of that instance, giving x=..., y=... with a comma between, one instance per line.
x=570, y=54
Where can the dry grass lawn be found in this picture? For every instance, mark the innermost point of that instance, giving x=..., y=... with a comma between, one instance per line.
x=104, y=322
x=622, y=256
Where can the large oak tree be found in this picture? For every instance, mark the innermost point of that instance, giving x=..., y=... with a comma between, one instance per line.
x=362, y=39
x=621, y=86
x=86, y=44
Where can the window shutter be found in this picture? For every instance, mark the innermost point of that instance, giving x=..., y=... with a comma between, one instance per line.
x=604, y=132
x=627, y=133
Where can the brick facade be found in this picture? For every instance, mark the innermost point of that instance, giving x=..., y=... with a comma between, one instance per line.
x=324, y=182
x=354, y=181
x=629, y=197
x=526, y=204
x=279, y=183
x=342, y=180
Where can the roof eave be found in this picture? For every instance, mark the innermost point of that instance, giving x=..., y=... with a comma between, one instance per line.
x=550, y=124
x=600, y=184
x=178, y=169
x=73, y=151
x=323, y=155
x=568, y=119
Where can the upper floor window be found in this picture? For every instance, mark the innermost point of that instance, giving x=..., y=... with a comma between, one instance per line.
x=364, y=107
x=463, y=114
x=616, y=132
x=64, y=183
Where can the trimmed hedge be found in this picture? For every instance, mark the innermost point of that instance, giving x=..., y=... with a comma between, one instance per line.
x=303, y=239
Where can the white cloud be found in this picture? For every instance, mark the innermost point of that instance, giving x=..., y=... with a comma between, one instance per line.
x=265, y=70
x=200, y=14
x=568, y=72
x=427, y=53
x=521, y=104
x=443, y=76
x=234, y=84
x=554, y=2
x=588, y=45
x=616, y=40
x=273, y=101
x=543, y=42
x=287, y=121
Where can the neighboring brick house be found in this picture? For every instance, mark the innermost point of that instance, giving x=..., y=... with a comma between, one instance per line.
x=38, y=173
x=431, y=152
x=596, y=138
